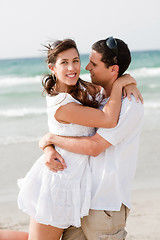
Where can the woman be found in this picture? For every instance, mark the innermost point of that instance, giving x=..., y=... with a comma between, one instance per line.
x=57, y=200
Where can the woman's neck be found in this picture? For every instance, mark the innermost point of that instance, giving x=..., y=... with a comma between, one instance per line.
x=61, y=87
x=65, y=89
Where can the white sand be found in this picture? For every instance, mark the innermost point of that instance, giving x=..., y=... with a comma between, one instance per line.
x=143, y=221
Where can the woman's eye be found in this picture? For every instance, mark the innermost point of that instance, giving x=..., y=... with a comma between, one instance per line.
x=76, y=60
x=64, y=62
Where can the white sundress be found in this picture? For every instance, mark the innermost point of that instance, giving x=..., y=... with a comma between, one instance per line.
x=58, y=199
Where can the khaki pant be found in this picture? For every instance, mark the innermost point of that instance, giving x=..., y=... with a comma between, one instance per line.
x=100, y=225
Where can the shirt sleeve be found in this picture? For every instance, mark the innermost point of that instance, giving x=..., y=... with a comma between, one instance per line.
x=131, y=118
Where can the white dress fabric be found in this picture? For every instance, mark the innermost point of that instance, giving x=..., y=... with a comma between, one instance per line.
x=59, y=199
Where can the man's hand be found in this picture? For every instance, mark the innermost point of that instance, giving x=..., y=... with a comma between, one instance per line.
x=45, y=140
x=53, y=159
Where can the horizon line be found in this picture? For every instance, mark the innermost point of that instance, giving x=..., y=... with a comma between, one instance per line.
x=34, y=56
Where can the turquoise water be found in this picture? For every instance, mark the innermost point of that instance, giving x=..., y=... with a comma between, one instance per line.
x=30, y=67
x=23, y=108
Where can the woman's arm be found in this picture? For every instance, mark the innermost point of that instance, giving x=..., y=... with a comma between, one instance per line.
x=91, y=117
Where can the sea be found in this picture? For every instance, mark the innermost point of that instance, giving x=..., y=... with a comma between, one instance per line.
x=23, y=106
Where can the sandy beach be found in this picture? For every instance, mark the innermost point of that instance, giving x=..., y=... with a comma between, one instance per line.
x=144, y=219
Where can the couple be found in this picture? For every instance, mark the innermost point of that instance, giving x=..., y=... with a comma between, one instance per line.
x=98, y=190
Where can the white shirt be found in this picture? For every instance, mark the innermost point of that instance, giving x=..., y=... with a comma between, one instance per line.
x=114, y=169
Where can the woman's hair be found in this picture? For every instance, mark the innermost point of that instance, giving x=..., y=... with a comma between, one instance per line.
x=122, y=59
x=85, y=92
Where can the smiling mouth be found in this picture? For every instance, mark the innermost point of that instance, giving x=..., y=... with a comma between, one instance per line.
x=71, y=75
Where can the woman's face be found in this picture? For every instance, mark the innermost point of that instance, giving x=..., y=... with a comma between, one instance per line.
x=66, y=69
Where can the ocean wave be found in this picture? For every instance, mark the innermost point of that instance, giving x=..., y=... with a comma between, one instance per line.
x=86, y=77
x=152, y=104
x=18, y=139
x=22, y=112
x=145, y=72
x=152, y=86
x=17, y=81
x=14, y=81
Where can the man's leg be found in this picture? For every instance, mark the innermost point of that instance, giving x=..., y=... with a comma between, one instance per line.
x=105, y=225
x=73, y=233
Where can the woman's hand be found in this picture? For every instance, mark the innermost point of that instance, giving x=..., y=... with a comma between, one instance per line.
x=129, y=85
x=132, y=89
x=53, y=159
x=125, y=80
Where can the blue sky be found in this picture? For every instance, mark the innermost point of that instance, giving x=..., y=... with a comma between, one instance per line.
x=26, y=25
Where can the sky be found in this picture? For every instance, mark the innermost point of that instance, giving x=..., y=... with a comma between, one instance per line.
x=25, y=26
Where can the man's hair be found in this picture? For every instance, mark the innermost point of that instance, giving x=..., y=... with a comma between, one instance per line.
x=109, y=58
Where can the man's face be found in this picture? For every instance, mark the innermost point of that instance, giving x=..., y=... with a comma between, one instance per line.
x=100, y=74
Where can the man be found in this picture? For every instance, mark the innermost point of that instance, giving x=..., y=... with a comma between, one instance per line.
x=113, y=151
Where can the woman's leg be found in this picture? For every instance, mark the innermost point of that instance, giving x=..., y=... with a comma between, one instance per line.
x=39, y=231
x=13, y=235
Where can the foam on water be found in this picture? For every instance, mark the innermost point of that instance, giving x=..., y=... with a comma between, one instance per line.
x=18, y=81
x=152, y=104
x=21, y=112
x=18, y=139
x=145, y=72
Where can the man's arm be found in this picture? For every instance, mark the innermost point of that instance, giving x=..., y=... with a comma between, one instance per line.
x=91, y=146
